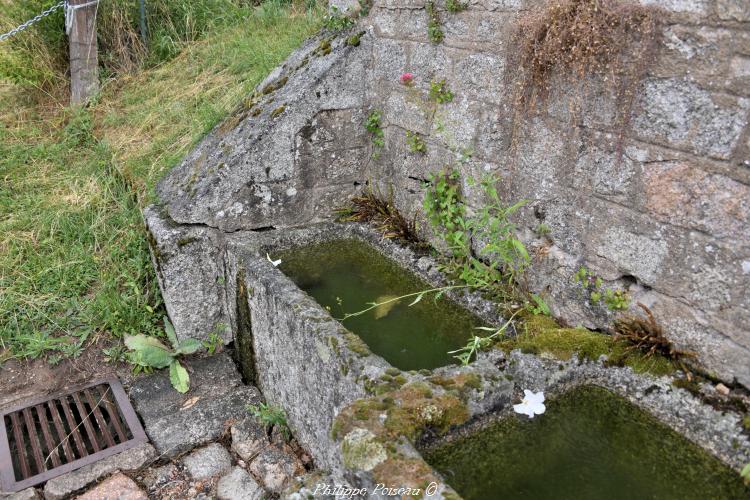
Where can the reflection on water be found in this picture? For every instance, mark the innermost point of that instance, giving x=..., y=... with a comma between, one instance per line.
x=345, y=275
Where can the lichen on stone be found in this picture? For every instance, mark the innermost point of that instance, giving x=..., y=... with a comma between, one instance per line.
x=361, y=450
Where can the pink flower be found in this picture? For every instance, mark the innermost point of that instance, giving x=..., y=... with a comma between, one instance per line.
x=406, y=79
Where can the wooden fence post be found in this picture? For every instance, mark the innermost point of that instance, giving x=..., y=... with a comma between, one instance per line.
x=84, y=61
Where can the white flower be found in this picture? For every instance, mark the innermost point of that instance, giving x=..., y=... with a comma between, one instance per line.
x=532, y=404
x=274, y=262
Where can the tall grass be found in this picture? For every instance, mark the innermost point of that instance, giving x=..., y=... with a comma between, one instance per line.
x=38, y=57
x=74, y=262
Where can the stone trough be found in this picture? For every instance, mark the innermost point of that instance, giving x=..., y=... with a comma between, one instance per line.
x=344, y=403
x=658, y=214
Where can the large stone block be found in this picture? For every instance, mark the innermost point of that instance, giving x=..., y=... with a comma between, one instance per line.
x=189, y=267
x=682, y=194
x=176, y=422
x=682, y=115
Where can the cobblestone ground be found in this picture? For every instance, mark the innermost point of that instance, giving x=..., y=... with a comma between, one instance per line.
x=203, y=444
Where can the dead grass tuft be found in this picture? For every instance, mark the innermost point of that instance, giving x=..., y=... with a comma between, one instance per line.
x=375, y=209
x=613, y=41
x=647, y=336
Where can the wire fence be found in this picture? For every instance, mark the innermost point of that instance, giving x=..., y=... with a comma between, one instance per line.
x=69, y=17
x=33, y=20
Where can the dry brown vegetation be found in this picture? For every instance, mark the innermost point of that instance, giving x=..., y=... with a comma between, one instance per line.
x=646, y=335
x=375, y=209
x=577, y=39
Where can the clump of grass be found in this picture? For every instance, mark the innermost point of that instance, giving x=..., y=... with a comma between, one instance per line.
x=647, y=336
x=271, y=416
x=38, y=57
x=379, y=211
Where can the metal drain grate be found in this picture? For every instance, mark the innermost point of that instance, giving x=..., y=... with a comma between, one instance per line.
x=46, y=438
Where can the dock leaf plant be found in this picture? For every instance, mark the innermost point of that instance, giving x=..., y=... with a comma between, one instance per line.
x=148, y=353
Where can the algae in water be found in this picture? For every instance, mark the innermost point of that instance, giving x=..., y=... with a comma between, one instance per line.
x=345, y=275
x=590, y=444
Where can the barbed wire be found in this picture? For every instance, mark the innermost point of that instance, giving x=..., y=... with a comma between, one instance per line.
x=69, y=11
x=33, y=21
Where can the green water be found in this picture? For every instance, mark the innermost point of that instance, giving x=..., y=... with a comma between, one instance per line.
x=343, y=276
x=590, y=444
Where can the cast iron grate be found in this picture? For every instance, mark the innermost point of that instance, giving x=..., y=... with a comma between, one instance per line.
x=49, y=437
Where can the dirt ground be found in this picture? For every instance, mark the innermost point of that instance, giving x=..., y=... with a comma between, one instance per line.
x=21, y=380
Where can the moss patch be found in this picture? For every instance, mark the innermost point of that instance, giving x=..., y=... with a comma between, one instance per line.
x=278, y=111
x=273, y=87
x=357, y=345
x=324, y=48
x=541, y=334
x=354, y=40
x=409, y=411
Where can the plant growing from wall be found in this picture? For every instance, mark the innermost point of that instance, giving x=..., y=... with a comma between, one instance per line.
x=415, y=142
x=477, y=343
x=440, y=93
x=434, y=26
x=445, y=209
x=338, y=21
x=373, y=124
x=147, y=353
x=373, y=208
x=502, y=257
x=434, y=23
x=647, y=336
x=614, y=300
x=454, y=6
x=214, y=342
x=542, y=229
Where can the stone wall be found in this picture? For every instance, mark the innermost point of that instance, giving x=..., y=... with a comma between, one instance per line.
x=667, y=220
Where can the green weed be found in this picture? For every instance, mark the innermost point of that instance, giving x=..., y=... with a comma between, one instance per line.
x=271, y=416
x=614, y=300
x=416, y=143
x=440, y=93
x=337, y=21
x=373, y=124
x=454, y=6
x=434, y=26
